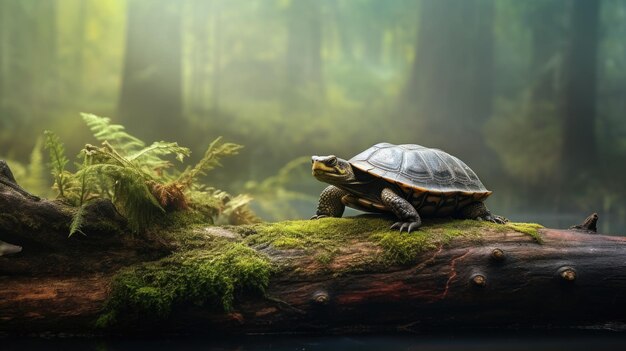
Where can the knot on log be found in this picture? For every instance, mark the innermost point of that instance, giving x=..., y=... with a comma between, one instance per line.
x=320, y=297
x=479, y=280
x=567, y=274
x=497, y=255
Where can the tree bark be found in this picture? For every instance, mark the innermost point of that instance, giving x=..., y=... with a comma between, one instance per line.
x=507, y=280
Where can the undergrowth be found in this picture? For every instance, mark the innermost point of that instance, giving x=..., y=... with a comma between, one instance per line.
x=141, y=179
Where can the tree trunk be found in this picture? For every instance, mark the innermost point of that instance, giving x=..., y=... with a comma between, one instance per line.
x=505, y=280
x=79, y=54
x=449, y=91
x=304, y=58
x=547, y=44
x=200, y=14
x=151, y=94
x=579, y=98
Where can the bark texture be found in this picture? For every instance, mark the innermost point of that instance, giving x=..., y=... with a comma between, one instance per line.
x=506, y=280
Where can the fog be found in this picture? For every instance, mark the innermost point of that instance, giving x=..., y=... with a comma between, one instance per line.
x=530, y=94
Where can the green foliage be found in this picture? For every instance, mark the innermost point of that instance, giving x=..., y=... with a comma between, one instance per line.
x=114, y=134
x=211, y=159
x=129, y=150
x=212, y=277
x=140, y=180
x=77, y=221
x=58, y=161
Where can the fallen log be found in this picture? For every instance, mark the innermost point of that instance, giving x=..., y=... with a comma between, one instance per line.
x=331, y=275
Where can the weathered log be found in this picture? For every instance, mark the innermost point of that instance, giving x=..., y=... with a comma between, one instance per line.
x=504, y=280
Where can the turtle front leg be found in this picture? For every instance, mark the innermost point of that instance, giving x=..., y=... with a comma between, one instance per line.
x=409, y=218
x=330, y=204
x=478, y=211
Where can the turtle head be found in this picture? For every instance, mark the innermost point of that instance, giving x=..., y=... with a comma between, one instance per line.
x=331, y=169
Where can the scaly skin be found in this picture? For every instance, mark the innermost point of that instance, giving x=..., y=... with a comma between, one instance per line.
x=478, y=211
x=330, y=204
x=409, y=218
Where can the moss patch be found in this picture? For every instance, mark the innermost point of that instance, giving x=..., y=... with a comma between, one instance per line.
x=212, y=270
x=325, y=238
x=204, y=277
x=403, y=248
x=531, y=229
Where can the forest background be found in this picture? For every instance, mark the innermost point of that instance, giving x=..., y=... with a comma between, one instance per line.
x=531, y=94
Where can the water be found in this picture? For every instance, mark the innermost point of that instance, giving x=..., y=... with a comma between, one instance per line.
x=510, y=342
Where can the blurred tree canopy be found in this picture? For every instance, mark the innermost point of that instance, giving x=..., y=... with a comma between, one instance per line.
x=531, y=94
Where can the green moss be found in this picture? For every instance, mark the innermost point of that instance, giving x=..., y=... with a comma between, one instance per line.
x=324, y=238
x=403, y=248
x=212, y=270
x=323, y=233
x=184, y=219
x=211, y=277
x=531, y=229
x=325, y=257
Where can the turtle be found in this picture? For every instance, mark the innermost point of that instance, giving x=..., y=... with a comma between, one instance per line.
x=407, y=180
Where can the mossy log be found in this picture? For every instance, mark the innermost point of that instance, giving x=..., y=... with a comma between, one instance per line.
x=331, y=275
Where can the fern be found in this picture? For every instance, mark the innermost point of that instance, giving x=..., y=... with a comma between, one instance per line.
x=77, y=221
x=211, y=159
x=134, y=177
x=129, y=184
x=58, y=161
x=237, y=211
x=114, y=134
x=150, y=158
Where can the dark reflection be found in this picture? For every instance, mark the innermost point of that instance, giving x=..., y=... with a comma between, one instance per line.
x=515, y=342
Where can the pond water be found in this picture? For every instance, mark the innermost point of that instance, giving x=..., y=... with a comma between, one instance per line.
x=508, y=342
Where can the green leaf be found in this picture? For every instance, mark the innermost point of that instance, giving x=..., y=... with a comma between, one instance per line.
x=216, y=151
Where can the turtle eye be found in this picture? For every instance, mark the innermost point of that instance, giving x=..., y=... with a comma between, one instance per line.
x=332, y=162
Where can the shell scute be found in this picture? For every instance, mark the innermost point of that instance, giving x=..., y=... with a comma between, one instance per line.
x=421, y=168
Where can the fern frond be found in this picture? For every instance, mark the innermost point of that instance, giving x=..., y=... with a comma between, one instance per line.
x=161, y=148
x=170, y=196
x=77, y=221
x=211, y=159
x=238, y=212
x=131, y=193
x=115, y=134
x=58, y=161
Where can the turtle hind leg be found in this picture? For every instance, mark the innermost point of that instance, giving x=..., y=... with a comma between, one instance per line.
x=409, y=218
x=478, y=211
x=330, y=204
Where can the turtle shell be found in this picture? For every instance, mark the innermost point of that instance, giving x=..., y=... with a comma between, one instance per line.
x=420, y=169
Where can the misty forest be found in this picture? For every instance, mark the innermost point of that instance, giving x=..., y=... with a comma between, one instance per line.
x=530, y=94
x=159, y=166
